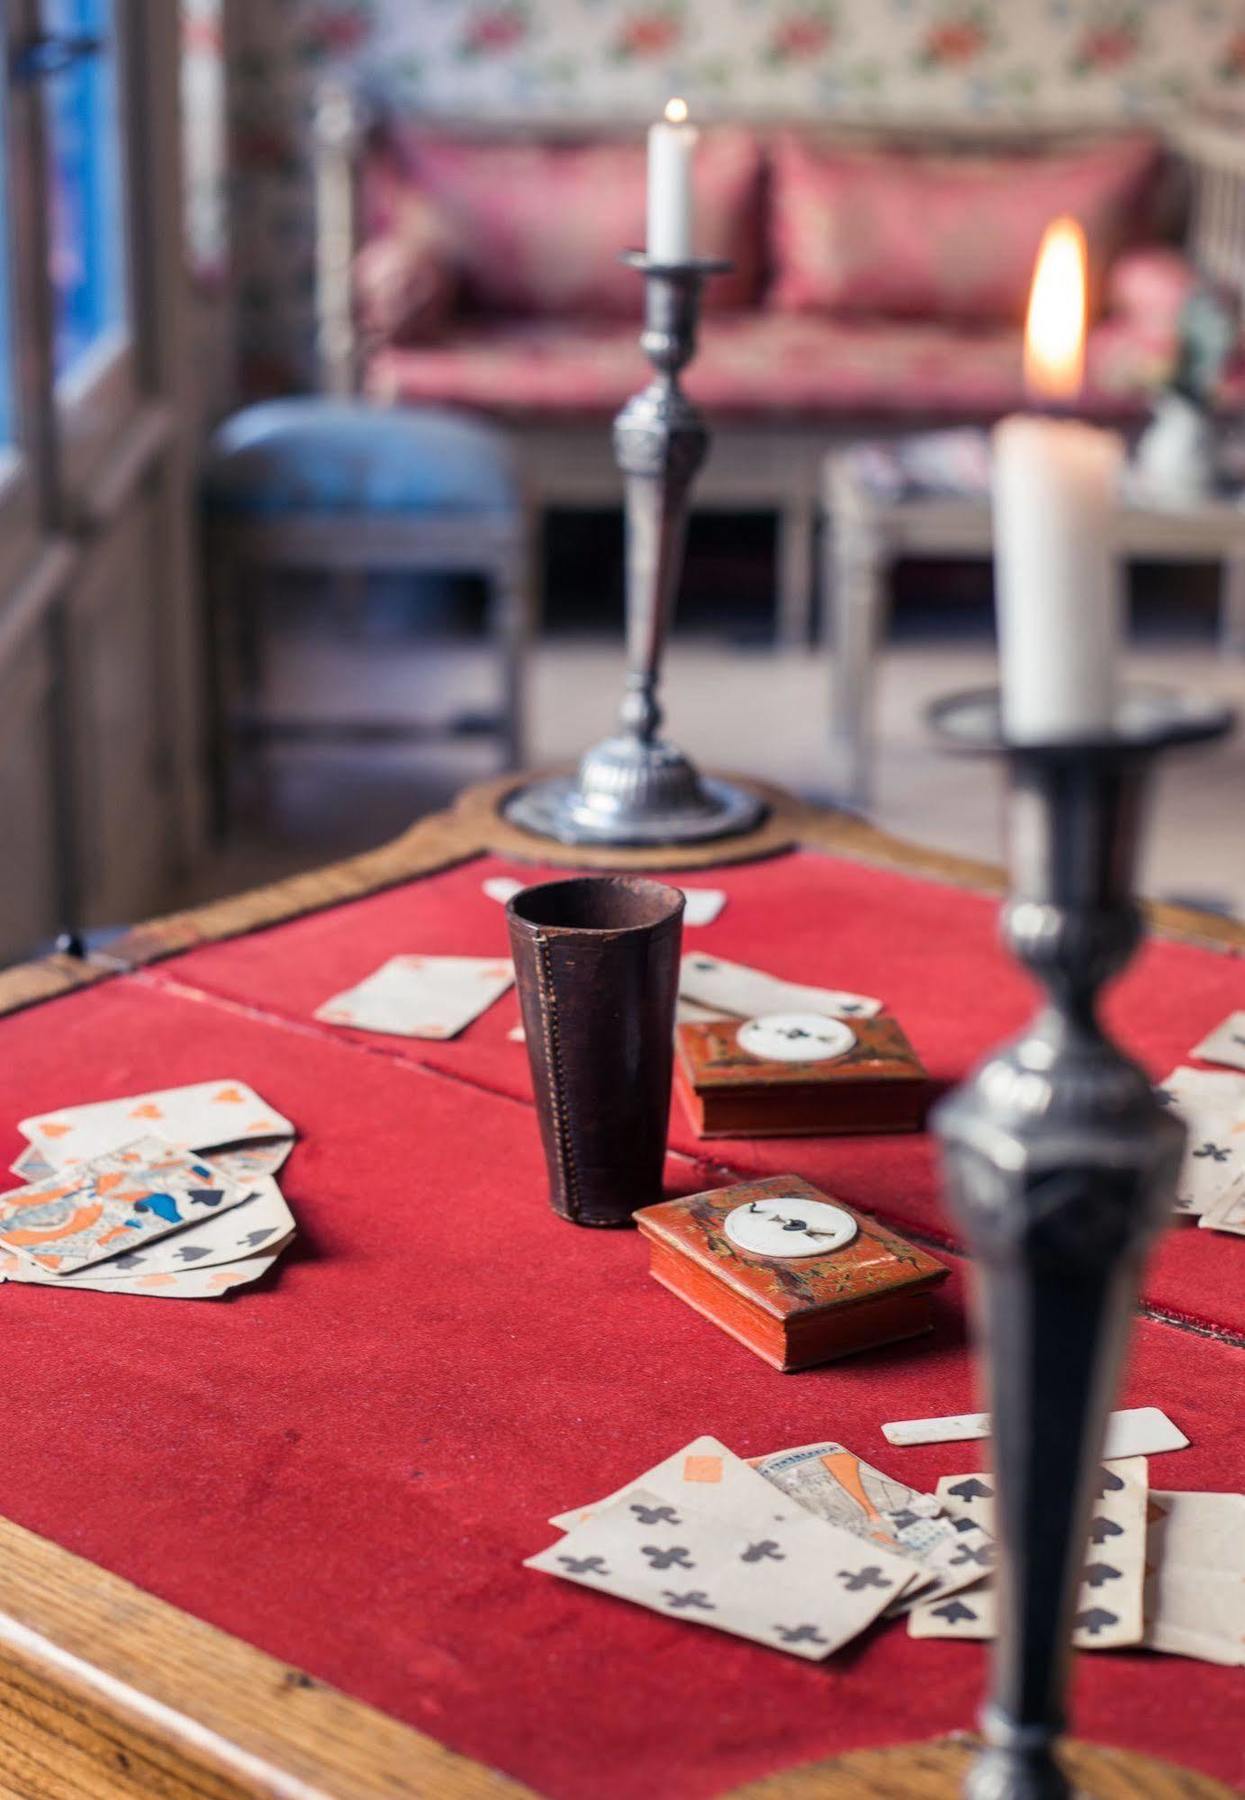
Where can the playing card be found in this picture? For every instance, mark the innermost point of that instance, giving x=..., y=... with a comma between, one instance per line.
x=1195, y=1576
x=191, y=1284
x=202, y=1116
x=703, y=1464
x=1135, y=1431
x=1109, y=1606
x=726, y=987
x=790, y=1581
x=111, y=1204
x=253, y=1162
x=1213, y=1108
x=702, y=905
x=254, y=1227
x=837, y=1485
x=1225, y=1044
x=32, y=1164
x=1227, y=1211
x=421, y=996
x=502, y=888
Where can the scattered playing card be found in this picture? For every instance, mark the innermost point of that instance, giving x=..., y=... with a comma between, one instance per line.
x=111, y=1204
x=704, y=1463
x=702, y=905
x=1109, y=1606
x=32, y=1164
x=1227, y=1213
x=726, y=987
x=255, y=1227
x=191, y=1284
x=252, y=1162
x=795, y=1584
x=1213, y=1108
x=202, y=1116
x=502, y=888
x=1225, y=1044
x=1135, y=1431
x=1195, y=1576
x=837, y=1485
x=421, y=996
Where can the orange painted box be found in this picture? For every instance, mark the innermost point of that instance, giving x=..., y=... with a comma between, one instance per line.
x=867, y=1078
x=793, y=1273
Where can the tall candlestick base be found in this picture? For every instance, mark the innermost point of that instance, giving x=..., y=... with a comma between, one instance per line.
x=636, y=787
x=1060, y=1165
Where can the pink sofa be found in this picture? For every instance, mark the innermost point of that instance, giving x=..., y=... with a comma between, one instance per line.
x=874, y=288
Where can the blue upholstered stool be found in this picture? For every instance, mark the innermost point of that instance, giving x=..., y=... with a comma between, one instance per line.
x=345, y=487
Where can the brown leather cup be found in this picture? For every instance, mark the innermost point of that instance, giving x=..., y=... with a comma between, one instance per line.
x=597, y=966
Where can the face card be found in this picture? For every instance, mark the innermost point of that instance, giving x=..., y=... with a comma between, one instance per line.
x=837, y=1485
x=251, y=1229
x=31, y=1164
x=202, y=1116
x=791, y=1582
x=112, y=1204
x=191, y=1284
x=421, y=996
x=1212, y=1107
x=1109, y=1605
x=1225, y=1044
x=726, y=987
x=1195, y=1576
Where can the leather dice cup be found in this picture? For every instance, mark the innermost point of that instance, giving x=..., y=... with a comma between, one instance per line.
x=597, y=968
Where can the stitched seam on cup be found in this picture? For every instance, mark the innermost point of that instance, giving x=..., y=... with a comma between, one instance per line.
x=553, y=1056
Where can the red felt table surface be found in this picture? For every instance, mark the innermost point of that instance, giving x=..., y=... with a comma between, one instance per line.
x=346, y=1466
x=930, y=951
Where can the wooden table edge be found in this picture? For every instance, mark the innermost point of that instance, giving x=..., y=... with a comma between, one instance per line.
x=95, y=1672
x=473, y=827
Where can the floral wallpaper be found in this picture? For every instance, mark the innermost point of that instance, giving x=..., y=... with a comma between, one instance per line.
x=805, y=59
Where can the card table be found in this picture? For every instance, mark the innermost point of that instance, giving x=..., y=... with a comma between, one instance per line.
x=272, y=1544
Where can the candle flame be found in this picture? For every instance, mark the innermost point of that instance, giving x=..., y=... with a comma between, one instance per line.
x=1055, y=328
x=676, y=111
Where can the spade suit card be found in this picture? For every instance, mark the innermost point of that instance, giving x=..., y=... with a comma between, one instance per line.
x=1108, y=1612
x=734, y=988
x=256, y=1226
x=1212, y=1106
x=202, y=1116
x=1225, y=1044
x=837, y=1485
x=112, y=1204
x=186, y=1284
x=782, y=1578
x=421, y=996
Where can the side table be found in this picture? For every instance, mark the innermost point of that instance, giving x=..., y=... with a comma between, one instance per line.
x=868, y=528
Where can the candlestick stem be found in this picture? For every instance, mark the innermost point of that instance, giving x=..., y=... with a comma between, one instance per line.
x=636, y=787
x=1060, y=1165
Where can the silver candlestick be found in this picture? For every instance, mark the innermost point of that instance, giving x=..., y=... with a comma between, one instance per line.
x=1060, y=1166
x=636, y=787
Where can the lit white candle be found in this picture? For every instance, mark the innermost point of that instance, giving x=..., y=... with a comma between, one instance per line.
x=1057, y=576
x=671, y=152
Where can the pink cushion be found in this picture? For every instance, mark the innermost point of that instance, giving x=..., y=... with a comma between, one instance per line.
x=1151, y=283
x=758, y=366
x=939, y=237
x=537, y=229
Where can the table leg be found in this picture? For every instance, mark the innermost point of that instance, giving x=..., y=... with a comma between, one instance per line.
x=797, y=531
x=1232, y=607
x=855, y=579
